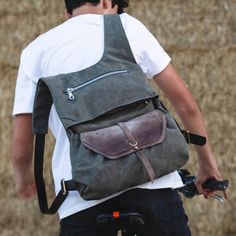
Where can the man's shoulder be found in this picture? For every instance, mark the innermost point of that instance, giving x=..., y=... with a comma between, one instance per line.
x=132, y=24
x=44, y=39
x=130, y=19
x=60, y=32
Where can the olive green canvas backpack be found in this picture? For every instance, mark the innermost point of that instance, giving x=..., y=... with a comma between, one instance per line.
x=120, y=134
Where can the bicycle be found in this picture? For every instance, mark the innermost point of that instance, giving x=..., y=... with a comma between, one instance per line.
x=129, y=223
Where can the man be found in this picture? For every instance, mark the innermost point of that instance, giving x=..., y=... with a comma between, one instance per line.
x=78, y=44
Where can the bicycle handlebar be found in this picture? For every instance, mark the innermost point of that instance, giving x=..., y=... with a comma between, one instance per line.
x=189, y=190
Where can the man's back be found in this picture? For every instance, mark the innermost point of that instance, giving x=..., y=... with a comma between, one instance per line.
x=73, y=46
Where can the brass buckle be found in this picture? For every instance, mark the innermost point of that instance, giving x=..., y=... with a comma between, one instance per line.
x=63, y=187
x=134, y=145
x=188, y=136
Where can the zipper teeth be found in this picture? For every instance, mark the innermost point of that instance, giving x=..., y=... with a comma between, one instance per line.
x=69, y=91
x=98, y=78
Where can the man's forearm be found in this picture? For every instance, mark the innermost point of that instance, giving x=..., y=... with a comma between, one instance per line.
x=21, y=156
x=193, y=121
x=21, y=164
x=22, y=145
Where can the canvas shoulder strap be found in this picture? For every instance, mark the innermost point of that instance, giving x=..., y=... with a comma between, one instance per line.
x=117, y=46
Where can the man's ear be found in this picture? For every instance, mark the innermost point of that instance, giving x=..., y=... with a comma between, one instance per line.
x=107, y=4
x=108, y=9
x=67, y=14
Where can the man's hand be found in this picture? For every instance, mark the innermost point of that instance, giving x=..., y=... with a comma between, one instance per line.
x=25, y=186
x=204, y=174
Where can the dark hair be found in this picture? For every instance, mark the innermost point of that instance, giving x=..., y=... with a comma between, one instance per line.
x=121, y=5
x=72, y=4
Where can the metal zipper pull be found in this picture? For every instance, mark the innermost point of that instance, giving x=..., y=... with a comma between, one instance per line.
x=69, y=93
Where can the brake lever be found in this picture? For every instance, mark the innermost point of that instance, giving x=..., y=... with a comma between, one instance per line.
x=216, y=185
x=218, y=198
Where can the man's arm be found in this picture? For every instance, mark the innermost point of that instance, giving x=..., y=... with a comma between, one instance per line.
x=188, y=111
x=21, y=155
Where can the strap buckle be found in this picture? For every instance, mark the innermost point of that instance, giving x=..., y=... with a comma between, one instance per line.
x=188, y=136
x=63, y=187
x=194, y=138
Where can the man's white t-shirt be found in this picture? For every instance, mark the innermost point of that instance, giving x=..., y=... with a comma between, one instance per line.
x=75, y=45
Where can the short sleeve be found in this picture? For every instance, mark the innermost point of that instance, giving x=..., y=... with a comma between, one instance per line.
x=148, y=52
x=24, y=93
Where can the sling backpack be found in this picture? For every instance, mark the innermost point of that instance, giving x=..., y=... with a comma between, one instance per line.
x=119, y=132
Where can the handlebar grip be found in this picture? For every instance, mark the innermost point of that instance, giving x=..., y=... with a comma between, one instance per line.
x=218, y=185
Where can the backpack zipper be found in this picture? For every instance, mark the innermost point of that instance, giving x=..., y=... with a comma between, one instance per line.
x=69, y=91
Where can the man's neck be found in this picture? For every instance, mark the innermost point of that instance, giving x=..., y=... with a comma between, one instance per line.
x=87, y=9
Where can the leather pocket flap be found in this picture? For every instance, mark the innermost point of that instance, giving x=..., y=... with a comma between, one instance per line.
x=147, y=130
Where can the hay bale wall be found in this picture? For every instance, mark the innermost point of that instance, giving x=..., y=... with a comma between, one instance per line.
x=199, y=35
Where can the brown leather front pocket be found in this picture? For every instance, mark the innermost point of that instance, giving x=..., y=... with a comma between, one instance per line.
x=112, y=142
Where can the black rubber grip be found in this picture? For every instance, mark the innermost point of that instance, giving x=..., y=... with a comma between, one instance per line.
x=219, y=185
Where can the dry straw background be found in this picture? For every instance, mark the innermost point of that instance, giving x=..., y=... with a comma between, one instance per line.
x=199, y=35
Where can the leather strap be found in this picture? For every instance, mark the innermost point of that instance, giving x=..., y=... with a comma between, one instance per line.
x=133, y=143
x=194, y=138
x=147, y=164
